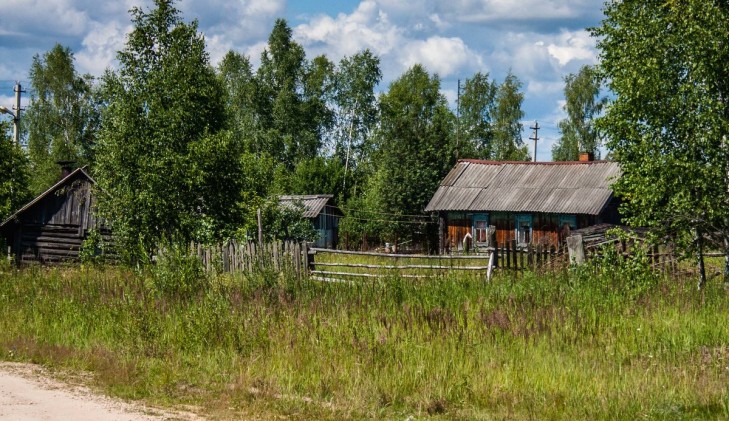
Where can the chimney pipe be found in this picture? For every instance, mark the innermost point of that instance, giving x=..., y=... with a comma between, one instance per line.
x=587, y=156
x=66, y=168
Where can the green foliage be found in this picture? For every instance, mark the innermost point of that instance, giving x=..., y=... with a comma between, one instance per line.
x=315, y=176
x=476, y=107
x=287, y=222
x=507, y=114
x=356, y=115
x=363, y=223
x=236, y=75
x=269, y=346
x=92, y=248
x=179, y=274
x=14, y=174
x=583, y=105
x=168, y=171
x=289, y=100
x=415, y=147
x=62, y=119
x=667, y=62
x=632, y=274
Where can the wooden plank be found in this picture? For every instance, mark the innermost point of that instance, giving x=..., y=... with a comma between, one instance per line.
x=405, y=256
x=306, y=257
x=509, y=254
x=374, y=266
x=576, y=249
x=364, y=275
x=226, y=258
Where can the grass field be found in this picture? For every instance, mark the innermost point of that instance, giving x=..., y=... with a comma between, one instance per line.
x=611, y=342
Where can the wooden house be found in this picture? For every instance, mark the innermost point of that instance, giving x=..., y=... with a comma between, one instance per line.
x=51, y=228
x=325, y=217
x=527, y=202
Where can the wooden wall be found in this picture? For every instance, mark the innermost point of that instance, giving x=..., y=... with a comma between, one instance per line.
x=52, y=229
x=546, y=228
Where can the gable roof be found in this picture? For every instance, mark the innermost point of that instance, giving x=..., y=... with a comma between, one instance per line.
x=572, y=187
x=313, y=203
x=75, y=174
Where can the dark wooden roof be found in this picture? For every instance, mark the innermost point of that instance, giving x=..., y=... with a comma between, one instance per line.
x=551, y=187
x=73, y=176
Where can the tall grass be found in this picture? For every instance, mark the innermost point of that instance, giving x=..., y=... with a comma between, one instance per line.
x=603, y=342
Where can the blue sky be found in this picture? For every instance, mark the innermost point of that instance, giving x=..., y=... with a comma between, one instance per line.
x=541, y=41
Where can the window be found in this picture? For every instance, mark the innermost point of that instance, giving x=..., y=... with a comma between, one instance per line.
x=567, y=223
x=569, y=220
x=480, y=228
x=523, y=230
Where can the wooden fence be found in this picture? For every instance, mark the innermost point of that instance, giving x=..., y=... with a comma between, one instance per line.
x=507, y=257
x=249, y=257
x=532, y=257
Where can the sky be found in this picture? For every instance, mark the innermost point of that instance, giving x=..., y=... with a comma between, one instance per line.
x=540, y=41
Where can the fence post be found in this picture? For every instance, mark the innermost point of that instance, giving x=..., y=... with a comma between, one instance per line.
x=576, y=249
x=305, y=250
x=494, y=245
x=507, y=251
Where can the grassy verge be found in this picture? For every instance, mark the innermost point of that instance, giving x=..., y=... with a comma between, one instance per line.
x=598, y=344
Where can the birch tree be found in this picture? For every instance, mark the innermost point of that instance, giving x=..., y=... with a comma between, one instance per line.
x=667, y=62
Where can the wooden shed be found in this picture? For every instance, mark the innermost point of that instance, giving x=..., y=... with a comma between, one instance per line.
x=325, y=216
x=527, y=202
x=51, y=228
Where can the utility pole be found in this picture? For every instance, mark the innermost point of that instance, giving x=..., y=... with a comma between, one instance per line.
x=458, y=117
x=16, y=127
x=16, y=114
x=535, y=127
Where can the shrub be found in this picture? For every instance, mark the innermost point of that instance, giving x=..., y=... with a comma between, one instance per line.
x=178, y=273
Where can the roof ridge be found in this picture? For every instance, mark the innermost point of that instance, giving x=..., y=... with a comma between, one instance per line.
x=501, y=163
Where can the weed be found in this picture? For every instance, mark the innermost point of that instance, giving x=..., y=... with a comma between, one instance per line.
x=596, y=343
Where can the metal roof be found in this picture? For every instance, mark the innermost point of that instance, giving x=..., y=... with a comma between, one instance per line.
x=551, y=187
x=313, y=203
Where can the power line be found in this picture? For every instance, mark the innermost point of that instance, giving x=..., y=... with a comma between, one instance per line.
x=376, y=212
x=390, y=220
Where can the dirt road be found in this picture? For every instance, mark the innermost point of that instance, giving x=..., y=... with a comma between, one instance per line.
x=27, y=392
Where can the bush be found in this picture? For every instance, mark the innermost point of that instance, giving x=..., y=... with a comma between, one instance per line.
x=178, y=273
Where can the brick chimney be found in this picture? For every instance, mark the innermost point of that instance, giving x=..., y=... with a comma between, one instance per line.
x=587, y=156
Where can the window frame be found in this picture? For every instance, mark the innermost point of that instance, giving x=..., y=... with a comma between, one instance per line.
x=519, y=220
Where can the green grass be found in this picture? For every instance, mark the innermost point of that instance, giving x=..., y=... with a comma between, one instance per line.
x=599, y=343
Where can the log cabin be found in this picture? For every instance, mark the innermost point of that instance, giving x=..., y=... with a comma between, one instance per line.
x=528, y=202
x=51, y=228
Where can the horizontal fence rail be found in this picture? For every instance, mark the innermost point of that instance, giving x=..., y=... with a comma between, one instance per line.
x=299, y=258
x=345, y=266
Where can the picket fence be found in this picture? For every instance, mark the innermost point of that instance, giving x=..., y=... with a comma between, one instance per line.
x=248, y=257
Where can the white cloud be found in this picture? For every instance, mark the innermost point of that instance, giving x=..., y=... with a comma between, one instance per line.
x=496, y=11
x=367, y=27
x=444, y=56
x=569, y=46
x=100, y=47
x=254, y=53
x=233, y=23
x=9, y=102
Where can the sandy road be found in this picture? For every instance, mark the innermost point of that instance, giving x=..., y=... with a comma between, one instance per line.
x=28, y=393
